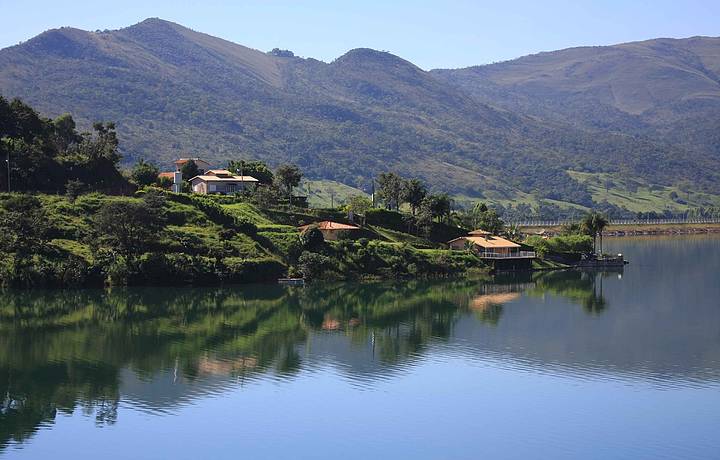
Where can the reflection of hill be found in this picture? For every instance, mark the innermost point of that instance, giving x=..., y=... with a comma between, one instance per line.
x=162, y=348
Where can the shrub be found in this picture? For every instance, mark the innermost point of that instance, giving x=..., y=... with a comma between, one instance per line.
x=312, y=238
x=313, y=266
x=73, y=189
x=570, y=244
x=252, y=270
x=384, y=218
x=144, y=174
x=175, y=269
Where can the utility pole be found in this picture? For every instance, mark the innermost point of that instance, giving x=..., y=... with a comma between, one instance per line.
x=8, y=169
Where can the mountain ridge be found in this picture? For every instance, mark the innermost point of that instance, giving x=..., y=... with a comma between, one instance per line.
x=174, y=91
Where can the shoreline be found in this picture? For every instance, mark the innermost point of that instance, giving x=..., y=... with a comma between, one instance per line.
x=637, y=230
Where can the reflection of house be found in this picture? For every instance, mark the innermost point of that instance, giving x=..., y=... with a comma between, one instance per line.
x=220, y=181
x=483, y=302
x=331, y=230
x=215, y=366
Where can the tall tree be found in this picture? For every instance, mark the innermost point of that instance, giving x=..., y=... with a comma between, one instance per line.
x=23, y=226
x=64, y=133
x=45, y=154
x=130, y=228
x=594, y=224
x=390, y=189
x=189, y=170
x=257, y=169
x=442, y=206
x=359, y=205
x=288, y=177
x=486, y=218
x=144, y=174
x=414, y=191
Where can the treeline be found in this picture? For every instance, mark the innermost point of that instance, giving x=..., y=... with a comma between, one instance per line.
x=50, y=155
x=426, y=208
x=273, y=188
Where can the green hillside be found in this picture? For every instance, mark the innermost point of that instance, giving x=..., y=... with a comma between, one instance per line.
x=664, y=91
x=176, y=92
x=639, y=196
x=324, y=193
x=161, y=238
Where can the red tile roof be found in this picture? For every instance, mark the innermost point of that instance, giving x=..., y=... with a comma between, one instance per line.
x=330, y=225
x=488, y=242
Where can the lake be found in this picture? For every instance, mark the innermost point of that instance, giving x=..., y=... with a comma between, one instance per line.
x=614, y=365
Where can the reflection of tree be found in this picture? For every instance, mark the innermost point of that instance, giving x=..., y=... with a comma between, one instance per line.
x=582, y=287
x=64, y=350
x=35, y=393
x=491, y=313
x=399, y=319
x=505, y=288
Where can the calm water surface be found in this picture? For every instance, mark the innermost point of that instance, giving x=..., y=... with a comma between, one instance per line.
x=551, y=365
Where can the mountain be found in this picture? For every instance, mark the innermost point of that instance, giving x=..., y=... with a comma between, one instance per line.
x=664, y=89
x=476, y=132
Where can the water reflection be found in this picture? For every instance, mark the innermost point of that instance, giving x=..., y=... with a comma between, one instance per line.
x=156, y=349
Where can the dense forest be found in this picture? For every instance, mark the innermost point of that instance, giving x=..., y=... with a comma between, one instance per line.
x=49, y=155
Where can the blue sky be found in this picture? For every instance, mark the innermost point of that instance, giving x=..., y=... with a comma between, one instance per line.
x=432, y=34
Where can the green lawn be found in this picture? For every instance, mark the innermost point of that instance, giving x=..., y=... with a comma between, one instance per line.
x=249, y=212
x=323, y=193
x=639, y=196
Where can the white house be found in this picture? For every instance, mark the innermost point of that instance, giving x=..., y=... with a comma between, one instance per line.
x=221, y=181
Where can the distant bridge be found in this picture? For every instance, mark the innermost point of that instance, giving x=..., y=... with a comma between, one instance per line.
x=679, y=221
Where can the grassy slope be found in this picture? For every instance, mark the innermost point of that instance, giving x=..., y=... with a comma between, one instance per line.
x=320, y=192
x=641, y=196
x=187, y=227
x=381, y=252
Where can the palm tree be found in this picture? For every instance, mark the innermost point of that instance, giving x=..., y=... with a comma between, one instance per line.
x=512, y=231
x=601, y=222
x=593, y=224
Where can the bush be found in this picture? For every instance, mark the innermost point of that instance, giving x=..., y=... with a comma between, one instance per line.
x=73, y=189
x=384, y=218
x=312, y=238
x=175, y=269
x=180, y=269
x=252, y=270
x=144, y=174
x=314, y=266
x=570, y=244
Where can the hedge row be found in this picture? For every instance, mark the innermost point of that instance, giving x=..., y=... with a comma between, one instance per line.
x=148, y=269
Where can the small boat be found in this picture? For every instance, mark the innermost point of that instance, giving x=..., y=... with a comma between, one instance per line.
x=292, y=281
x=603, y=262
